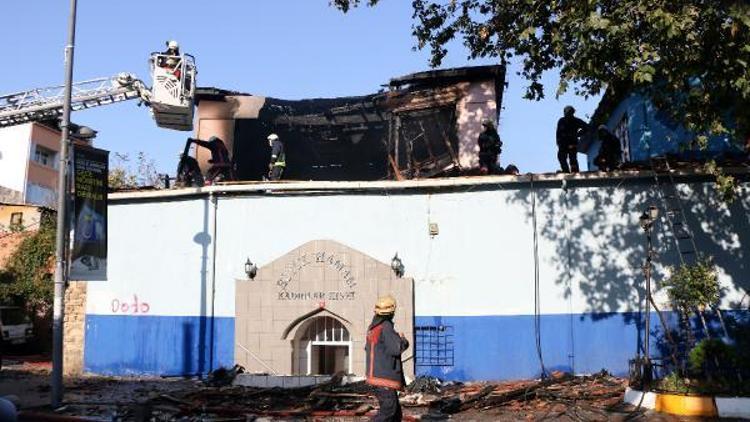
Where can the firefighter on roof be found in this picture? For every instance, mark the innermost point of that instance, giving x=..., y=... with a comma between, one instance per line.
x=569, y=131
x=278, y=157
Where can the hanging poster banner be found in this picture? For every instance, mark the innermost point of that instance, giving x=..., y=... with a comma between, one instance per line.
x=88, y=256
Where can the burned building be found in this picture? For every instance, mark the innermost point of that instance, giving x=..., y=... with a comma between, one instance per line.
x=425, y=124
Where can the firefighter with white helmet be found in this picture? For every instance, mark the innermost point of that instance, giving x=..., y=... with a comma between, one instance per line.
x=171, y=56
x=277, y=165
x=385, y=372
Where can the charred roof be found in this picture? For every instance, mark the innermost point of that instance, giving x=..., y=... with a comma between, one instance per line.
x=425, y=79
x=452, y=75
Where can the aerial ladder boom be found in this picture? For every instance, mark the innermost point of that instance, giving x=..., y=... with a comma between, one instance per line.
x=170, y=99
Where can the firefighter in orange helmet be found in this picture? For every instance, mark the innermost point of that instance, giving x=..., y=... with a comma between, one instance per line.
x=385, y=371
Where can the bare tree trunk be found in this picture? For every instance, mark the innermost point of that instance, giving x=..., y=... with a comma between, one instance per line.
x=667, y=332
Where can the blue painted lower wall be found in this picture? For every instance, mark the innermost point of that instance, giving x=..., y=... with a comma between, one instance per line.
x=484, y=347
x=157, y=345
x=504, y=347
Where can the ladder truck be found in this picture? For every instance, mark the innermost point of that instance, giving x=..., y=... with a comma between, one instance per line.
x=170, y=99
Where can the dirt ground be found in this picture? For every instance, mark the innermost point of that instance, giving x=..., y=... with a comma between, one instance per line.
x=177, y=399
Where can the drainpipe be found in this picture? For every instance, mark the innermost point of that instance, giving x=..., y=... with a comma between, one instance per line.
x=214, y=200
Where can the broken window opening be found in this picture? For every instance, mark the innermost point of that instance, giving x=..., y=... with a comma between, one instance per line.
x=427, y=142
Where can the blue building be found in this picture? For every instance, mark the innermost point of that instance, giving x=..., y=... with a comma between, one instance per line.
x=646, y=131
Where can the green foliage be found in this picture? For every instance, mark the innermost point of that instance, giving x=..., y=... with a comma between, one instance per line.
x=708, y=352
x=691, y=56
x=27, y=277
x=725, y=184
x=125, y=173
x=693, y=286
x=674, y=383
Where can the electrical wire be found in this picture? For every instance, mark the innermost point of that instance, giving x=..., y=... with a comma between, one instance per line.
x=537, y=301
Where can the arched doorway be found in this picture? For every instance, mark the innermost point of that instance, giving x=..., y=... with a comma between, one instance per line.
x=322, y=346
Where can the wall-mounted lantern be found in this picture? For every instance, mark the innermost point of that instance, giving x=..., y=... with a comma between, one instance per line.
x=250, y=269
x=397, y=266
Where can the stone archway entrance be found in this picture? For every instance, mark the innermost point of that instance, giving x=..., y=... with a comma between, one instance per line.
x=322, y=346
x=307, y=312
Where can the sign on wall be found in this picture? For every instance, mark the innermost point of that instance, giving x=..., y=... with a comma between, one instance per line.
x=88, y=257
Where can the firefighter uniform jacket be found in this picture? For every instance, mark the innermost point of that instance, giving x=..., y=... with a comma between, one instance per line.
x=569, y=129
x=278, y=156
x=489, y=143
x=384, y=347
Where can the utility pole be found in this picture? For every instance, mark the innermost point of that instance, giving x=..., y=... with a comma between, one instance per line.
x=62, y=218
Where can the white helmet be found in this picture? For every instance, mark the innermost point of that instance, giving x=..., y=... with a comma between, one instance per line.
x=273, y=137
x=172, y=44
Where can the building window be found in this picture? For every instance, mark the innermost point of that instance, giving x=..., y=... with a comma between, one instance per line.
x=622, y=133
x=45, y=156
x=434, y=345
x=16, y=221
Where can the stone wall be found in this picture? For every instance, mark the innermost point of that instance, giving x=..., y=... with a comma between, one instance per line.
x=321, y=278
x=74, y=327
x=10, y=196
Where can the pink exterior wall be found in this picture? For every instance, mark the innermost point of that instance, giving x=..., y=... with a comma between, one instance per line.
x=45, y=176
x=478, y=103
x=216, y=118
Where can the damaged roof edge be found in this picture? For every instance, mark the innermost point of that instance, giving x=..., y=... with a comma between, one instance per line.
x=468, y=73
x=300, y=187
x=210, y=93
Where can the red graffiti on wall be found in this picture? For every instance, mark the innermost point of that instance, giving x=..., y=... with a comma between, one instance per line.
x=134, y=307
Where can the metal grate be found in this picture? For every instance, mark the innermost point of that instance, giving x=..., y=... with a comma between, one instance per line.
x=326, y=329
x=434, y=345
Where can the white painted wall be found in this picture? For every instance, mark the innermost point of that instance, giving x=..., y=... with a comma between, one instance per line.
x=159, y=252
x=481, y=263
x=15, y=146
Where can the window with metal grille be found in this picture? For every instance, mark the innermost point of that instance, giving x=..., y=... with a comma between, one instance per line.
x=326, y=329
x=434, y=345
x=623, y=134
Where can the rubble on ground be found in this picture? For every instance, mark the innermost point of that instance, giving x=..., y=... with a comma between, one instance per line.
x=560, y=396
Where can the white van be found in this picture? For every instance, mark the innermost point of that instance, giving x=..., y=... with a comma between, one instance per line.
x=15, y=325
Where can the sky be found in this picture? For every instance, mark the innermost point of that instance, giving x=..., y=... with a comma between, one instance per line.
x=288, y=49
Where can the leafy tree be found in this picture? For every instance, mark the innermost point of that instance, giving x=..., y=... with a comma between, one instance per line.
x=693, y=286
x=692, y=57
x=123, y=175
x=27, y=277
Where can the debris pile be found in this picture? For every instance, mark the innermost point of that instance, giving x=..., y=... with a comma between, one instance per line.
x=595, y=397
x=561, y=394
x=322, y=400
